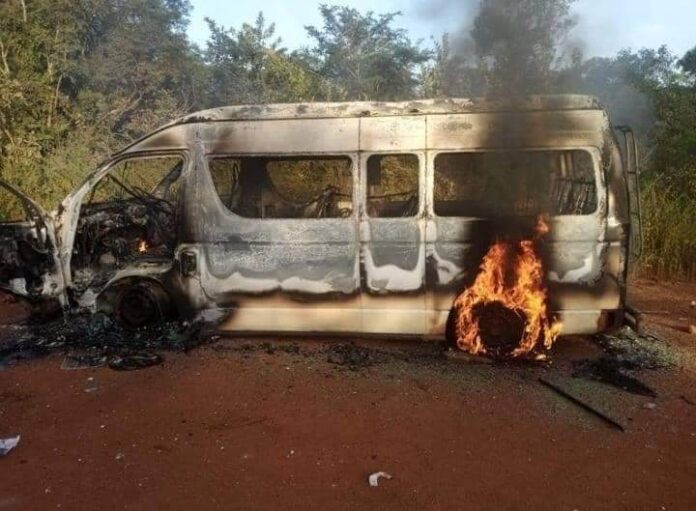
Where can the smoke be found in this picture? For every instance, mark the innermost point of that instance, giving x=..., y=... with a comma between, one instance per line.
x=514, y=48
x=515, y=45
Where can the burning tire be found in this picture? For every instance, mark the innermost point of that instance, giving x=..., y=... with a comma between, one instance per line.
x=501, y=328
x=504, y=313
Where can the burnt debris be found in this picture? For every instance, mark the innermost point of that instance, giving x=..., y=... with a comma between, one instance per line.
x=116, y=233
x=93, y=340
x=626, y=355
x=351, y=356
x=24, y=259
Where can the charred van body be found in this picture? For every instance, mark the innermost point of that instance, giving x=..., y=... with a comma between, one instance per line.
x=338, y=217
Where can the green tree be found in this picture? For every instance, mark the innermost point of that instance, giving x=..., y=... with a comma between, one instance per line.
x=143, y=70
x=80, y=78
x=364, y=55
x=40, y=43
x=249, y=65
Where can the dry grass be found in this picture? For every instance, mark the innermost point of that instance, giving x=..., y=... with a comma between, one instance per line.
x=669, y=230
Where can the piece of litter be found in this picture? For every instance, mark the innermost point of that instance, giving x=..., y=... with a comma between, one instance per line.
x=374, y=478
x=135, y=361
x=649, y=406
x=7, y=444
x=73, y=362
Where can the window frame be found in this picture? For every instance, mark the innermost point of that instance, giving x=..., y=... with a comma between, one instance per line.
x=95, y=178
x=420, y=178
x=593, y=151
x=354, y=169
x=422, y=184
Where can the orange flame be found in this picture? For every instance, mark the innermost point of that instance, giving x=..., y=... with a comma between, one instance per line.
x=142, y=246
x=525, y=295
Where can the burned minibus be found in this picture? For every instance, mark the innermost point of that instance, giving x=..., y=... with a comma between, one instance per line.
x=359, y=218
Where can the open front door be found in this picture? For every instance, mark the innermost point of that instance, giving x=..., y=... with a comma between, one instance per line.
x=29, y=265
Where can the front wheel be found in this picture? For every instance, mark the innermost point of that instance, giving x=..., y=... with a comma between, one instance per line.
x=142, y=304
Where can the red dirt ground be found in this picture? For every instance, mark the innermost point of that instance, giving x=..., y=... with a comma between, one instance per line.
x=229, y=428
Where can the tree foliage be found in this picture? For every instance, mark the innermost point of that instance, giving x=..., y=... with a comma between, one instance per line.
x=80, y=78
x=364, y=55
x=249, y=65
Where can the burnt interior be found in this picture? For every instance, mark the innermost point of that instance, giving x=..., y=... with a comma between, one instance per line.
x=26, y=253
x=392, y=185
x=290, y=187
x=130, y=216
x=514, y=183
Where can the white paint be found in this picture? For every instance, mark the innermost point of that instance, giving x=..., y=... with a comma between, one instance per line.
x=395, y=278
x=447, y=271
x=239, y=283
x=576, y=274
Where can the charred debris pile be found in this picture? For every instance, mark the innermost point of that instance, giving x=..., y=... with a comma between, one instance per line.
x=626, y=355
x=96, y=340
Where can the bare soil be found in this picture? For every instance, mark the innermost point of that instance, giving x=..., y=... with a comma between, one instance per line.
x=300, y=424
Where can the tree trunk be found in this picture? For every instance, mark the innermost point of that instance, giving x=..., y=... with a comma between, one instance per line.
x=54, y=103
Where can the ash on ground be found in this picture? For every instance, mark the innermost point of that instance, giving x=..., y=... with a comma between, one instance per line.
x=637, y=351
x=91, y=340
x=351, y=356
x=626, y=354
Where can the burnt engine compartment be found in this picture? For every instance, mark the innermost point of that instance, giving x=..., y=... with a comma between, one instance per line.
x=24, y=256
x=111, y=235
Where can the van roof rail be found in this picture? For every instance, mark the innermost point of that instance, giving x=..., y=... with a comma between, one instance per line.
x=380, y=108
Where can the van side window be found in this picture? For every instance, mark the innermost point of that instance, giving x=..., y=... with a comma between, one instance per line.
x=284, y=187
x=392, y=185
x=155, y=177
x=514, y=183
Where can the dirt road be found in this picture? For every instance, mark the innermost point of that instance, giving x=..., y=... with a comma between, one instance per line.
x=248, y=425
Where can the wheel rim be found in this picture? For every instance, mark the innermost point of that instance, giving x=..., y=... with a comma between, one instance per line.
x=138, y=307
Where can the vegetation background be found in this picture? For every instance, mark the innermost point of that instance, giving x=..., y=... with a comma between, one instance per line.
x=81, y=78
